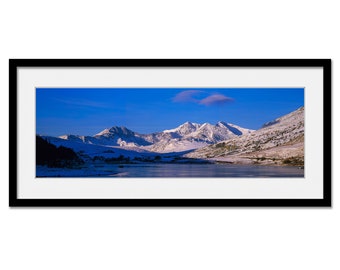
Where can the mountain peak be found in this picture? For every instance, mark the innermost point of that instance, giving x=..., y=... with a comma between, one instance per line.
x=221, y=123
x=103, y=132
x=115, y=130
x=183, y=129
x=190, y=124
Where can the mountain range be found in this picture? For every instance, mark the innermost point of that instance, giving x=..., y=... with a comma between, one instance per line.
x=278, y=142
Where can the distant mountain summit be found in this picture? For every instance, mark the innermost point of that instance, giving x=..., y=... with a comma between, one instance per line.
x=184, y=137
x=184, y=129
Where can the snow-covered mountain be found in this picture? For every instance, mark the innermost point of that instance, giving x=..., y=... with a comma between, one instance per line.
x=192, y=136
x=185, y=137
x=280, y=141
x=121, y=136
x=115, y=136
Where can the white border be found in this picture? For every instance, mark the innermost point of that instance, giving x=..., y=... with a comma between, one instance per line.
x=310, y=187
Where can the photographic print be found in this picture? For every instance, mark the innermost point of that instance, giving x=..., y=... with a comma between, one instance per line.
x=170, y=132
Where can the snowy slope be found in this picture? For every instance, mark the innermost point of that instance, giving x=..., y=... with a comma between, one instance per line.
x=282, y=138
x=92, y=150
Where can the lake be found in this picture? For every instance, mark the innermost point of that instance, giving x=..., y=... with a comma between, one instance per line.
x=172, y=170
x=205, y=170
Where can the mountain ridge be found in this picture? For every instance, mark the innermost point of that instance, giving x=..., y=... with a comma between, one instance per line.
x=184, y=137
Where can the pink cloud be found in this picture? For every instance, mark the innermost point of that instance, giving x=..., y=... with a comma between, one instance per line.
x=192, y=96
x=216, y=99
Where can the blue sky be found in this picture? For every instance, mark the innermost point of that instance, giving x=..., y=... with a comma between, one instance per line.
x=87, y=111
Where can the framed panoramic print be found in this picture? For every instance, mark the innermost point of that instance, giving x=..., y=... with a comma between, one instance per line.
x=170, y=132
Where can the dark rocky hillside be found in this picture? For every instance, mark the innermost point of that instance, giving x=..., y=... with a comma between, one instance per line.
x=53, y=156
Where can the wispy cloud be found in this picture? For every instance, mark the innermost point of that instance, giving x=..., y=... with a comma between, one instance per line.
x=195, y=96
x=216, y=99
x=83, y=103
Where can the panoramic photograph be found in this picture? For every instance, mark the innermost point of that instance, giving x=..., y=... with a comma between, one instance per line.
x=170, y=132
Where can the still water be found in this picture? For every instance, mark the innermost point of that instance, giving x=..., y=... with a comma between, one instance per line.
x=204, y=170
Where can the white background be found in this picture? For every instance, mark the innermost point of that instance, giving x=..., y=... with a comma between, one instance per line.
x=168, y=238
x=311, y=186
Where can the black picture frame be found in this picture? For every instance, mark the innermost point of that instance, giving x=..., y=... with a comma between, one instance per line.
x=14, y=64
